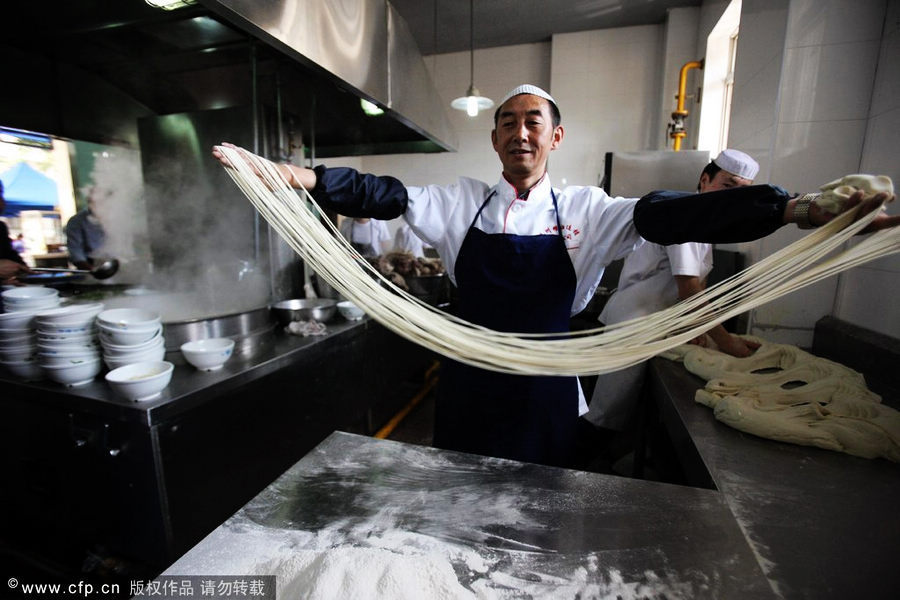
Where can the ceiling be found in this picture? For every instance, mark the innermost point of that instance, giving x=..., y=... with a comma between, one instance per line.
x=508, y=22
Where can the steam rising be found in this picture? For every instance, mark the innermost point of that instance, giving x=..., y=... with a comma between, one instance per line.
x=187, y=245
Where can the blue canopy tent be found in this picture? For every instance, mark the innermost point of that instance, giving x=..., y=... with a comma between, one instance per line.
x=24, y=188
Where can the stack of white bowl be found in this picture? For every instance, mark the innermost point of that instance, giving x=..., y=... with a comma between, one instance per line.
x=18, y=342
x=30, y=298
x=130, y=335
x=18, y=345
x=68, y=350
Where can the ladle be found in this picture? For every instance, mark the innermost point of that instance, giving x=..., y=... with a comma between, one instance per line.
x=104, y=270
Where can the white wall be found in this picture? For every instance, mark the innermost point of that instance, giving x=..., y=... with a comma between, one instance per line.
x=606, y=84
x=868, y=294
x=804, y=80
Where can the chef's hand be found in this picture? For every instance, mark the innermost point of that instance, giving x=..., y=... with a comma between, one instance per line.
x=819, y=216
x=737, y=346
x=295, y=176
x=10, y=269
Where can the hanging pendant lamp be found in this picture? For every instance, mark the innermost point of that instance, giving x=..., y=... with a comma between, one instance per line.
x=473, y=101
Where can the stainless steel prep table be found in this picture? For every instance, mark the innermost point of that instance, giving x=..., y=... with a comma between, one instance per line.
x=508, y=528
x=141, y=482
x=823, y=524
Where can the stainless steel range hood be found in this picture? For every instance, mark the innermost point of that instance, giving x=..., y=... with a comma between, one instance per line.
x=89, y=70
x=364, y=46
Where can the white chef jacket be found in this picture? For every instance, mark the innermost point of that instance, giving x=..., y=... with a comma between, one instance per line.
x=373, y=233
x=597, y=228
x=408, y=241
x=646, y=284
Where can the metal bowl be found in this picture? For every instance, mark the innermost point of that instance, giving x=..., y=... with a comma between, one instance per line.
x=304, y=310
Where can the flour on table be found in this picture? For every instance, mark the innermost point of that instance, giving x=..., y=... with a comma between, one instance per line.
x=361, y=573
x=783, y=393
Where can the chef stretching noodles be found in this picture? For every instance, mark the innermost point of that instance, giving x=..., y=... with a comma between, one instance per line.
x=526, y=256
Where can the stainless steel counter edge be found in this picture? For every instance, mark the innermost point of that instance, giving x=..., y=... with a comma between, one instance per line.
x=189, y=387
x=823, y=524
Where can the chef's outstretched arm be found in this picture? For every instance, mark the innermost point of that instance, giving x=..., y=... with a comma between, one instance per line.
x=343, y=190
x=740, y=214
x=295, y=175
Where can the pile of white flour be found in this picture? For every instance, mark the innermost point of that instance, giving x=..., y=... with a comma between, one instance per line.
x=359, y=573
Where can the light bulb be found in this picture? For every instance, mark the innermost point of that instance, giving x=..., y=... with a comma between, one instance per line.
x=472, y=106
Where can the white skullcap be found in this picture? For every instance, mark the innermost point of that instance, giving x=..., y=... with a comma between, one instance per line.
x=527, y=88
x=737, y=163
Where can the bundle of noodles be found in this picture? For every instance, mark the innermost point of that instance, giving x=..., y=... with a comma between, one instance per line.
x=295, y=217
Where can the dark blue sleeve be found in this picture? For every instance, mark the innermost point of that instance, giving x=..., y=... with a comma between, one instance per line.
x=353, y=194
x=734, y=215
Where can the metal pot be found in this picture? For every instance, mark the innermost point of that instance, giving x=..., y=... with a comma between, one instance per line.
x=427, y=288
x=304, y=310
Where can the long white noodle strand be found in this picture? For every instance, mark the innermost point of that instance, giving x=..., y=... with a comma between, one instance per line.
x=298, y=219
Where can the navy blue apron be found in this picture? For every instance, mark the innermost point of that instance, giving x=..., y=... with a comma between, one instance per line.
x=511, y=283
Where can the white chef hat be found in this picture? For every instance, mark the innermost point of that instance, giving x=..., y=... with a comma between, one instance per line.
x=527, y=88
x=737, y=163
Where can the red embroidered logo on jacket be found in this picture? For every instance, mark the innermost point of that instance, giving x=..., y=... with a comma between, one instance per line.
x=569, y=232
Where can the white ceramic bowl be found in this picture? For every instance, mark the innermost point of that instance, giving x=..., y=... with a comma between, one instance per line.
x=18, y=354
x=17, y=320
x=129, y=337
x=128, y=318
x=209, y=354
x=11, y=335
x=29, y=292
x=31, y=305
x=74, y=359
x=65, y=330
x=29, y=369
x=67, y=340
x=153, y=354
x=141, y=381
x=350, y=311
x=117, y=350
x=86, y=310
x=67, y=350
x=74, y=374
x=19, y=342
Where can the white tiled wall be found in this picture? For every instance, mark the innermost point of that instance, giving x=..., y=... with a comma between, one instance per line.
x=606, y=83
x=868, y=294
x=804, y=107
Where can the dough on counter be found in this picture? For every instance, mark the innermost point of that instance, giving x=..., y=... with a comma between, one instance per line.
x=783, y=393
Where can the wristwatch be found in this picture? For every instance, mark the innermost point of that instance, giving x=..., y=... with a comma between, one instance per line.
x=801, y=211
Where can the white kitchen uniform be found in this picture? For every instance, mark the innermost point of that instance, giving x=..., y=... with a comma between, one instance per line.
x=407, y=241
x=597, y=228
x=646, y=285
x=373, y=234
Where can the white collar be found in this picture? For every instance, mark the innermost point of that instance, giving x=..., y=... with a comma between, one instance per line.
x=507, y=192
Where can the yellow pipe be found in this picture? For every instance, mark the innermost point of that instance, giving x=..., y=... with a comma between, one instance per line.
x=430, y=381
x=680, y=111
